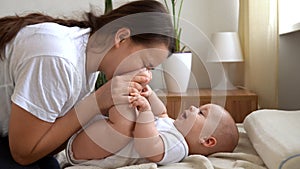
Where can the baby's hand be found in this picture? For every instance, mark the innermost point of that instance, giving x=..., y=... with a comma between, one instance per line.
x=146, y=91
x=139, y=79
x=140, y=102
x=142, y=76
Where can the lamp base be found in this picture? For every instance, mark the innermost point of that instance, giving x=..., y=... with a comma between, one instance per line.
x=225, y=83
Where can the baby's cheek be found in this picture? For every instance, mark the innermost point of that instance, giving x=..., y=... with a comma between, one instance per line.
x=184, y=126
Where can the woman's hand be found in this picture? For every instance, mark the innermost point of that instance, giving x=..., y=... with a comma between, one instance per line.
x=116, y=90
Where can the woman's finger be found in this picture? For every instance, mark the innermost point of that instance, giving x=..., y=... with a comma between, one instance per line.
x=132, y=98
x=132, y=90
x=141, y=79
x=138, y=103
x=136, y=85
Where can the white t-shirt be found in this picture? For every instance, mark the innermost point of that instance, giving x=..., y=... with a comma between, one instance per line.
x=44, y=72
x=176, y=149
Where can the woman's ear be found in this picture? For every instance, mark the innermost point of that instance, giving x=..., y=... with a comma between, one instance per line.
x=121, y=35
x=208, y=142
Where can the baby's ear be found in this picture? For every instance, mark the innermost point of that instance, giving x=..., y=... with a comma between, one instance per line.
x=208, y=142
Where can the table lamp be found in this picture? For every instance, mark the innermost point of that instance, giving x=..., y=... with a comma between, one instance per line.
x=226, y=50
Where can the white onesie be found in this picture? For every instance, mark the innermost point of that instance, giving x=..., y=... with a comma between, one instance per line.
x=175, y=145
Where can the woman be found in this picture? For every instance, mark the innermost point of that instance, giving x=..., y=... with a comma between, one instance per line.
x=48, y=74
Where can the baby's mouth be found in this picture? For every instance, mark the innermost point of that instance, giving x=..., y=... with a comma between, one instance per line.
x=184, y=115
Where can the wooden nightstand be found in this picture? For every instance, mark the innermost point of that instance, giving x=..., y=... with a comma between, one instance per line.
x=238, y=102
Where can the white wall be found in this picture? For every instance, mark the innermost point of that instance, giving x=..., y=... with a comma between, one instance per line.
x=52, y=7
x=208, y=16
x=289, y=55
x=289, y=68
x=68, y=8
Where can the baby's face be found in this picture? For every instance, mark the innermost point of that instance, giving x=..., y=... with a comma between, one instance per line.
x=190, y=122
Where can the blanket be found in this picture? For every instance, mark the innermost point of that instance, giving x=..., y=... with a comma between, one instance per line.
x=243, y=157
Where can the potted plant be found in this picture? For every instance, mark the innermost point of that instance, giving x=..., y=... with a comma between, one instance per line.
x=177, y=68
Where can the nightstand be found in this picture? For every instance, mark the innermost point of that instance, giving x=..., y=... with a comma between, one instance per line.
x=239, y=103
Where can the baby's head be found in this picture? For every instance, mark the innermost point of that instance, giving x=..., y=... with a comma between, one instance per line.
x=208, y=129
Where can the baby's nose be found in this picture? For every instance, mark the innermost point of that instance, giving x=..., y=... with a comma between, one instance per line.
x=192, y=108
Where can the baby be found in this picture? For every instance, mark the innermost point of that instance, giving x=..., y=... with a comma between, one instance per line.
x=149, y=135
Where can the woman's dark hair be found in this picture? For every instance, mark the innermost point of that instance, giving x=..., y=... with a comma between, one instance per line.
x=11, y=25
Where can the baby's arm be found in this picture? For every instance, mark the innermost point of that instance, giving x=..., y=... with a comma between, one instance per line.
x=145, y=132
x=157, y=106
x=107, y=136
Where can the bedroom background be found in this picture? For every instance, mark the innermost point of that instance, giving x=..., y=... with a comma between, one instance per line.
x=270, y=69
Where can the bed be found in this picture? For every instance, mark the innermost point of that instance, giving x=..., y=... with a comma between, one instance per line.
x=268, y=139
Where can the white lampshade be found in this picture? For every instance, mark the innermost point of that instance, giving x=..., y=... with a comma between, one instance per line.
x=226, y=48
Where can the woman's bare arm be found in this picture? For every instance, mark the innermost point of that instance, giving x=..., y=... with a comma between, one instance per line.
x=31, y=138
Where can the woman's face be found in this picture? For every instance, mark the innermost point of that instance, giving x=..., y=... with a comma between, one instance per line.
x=130, y=56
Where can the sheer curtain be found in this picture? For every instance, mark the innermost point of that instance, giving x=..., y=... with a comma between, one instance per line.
x=258, y=29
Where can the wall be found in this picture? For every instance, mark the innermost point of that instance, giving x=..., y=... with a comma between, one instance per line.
x=68, y=8
x=288, y=76
x=206, y=16
x=289, y=55
x=53, y=7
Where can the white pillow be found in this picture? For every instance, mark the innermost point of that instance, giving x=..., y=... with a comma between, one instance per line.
x=275, y=135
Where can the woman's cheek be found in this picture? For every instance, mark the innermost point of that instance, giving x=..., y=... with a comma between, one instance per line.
x=128, y=65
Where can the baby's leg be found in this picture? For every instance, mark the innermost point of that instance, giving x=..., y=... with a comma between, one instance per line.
x=107, y=136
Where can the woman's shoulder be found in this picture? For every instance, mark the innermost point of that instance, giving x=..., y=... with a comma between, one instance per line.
x=43, y=33
x=51, y=29
x=47, y=25
x=47, y=39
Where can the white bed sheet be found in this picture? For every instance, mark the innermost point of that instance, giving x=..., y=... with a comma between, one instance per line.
x=243, y=157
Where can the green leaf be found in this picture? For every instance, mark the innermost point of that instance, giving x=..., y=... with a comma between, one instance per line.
x=176, y=20
x=101, y=80
x=108, y=6
x=167, y=6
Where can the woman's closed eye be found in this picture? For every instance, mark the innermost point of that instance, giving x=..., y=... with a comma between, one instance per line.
x=150, y=67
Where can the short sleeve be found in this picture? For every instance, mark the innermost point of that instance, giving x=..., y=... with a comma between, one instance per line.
x=176, y=148
x=46, y=86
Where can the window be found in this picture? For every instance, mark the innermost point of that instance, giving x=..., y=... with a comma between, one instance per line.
x=289, y=16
